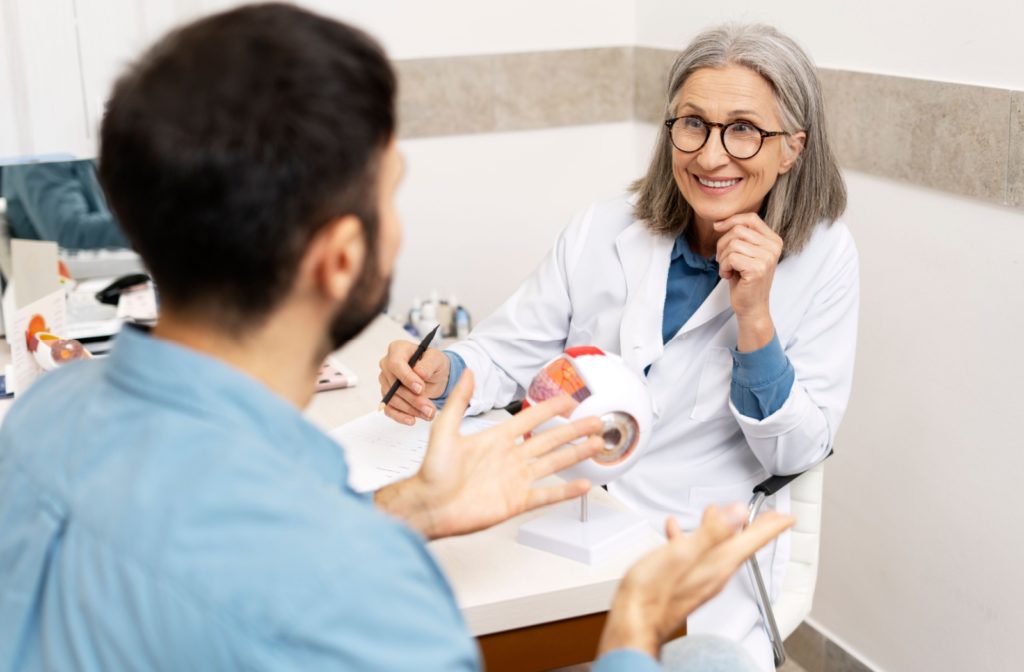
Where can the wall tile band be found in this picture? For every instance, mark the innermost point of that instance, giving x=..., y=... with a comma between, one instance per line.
x=958, y=138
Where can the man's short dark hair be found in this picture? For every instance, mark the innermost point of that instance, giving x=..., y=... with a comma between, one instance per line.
x=233, y=140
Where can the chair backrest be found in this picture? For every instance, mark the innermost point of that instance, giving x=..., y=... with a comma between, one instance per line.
x=794, y=602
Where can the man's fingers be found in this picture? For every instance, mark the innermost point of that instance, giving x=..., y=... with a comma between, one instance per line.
x=527, y=419
x=766, y=527
x=556, y=493
x=450, y=418
x=566, y=456
x=717, y=525
x=556, y=436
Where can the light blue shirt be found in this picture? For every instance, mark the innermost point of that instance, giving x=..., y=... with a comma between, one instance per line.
x=161, y=510
x=761, y=379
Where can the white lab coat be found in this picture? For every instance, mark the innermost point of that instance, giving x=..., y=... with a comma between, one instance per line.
x=603, y=284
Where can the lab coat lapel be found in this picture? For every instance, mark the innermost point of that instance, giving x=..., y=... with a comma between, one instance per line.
x=718, y=301
x=645, y=259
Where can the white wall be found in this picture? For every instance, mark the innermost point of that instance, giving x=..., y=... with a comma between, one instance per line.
x=976, y=43
x=921, y=556
x=65, y=54
x=481, y=211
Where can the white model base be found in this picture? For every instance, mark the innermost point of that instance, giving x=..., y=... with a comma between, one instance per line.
x=607, y=532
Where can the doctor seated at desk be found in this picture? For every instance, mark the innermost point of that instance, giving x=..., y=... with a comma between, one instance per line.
x=178, y=512
x=60, y=201
x=726, y=280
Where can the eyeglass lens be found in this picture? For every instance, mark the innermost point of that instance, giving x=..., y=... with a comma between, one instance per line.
x=742, y=140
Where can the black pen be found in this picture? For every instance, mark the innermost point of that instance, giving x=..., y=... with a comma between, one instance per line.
x=412, y=362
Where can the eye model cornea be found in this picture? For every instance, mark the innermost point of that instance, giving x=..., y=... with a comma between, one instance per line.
x=621, y=435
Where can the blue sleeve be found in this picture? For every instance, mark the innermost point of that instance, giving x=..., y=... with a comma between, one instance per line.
x=65, y=207
x=456, y=365
x=625, y=660
x=761, y=380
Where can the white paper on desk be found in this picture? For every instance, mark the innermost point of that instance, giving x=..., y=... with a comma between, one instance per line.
x=380, y=451
x=24, y=367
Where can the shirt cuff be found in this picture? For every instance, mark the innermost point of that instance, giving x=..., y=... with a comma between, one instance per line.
x=625, y=660
x=456, y=365
x=761, y=380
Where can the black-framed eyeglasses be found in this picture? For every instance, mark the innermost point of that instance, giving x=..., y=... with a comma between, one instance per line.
x=741, y=139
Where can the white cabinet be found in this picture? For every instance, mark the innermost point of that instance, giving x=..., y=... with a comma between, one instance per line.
x=60, y=59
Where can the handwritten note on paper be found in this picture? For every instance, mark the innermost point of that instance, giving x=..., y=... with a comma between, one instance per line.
x=380, y=451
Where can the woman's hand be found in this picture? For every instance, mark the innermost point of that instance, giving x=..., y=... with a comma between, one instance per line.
x=748, y=254
x=427, y=379
x=666, y=585
x=468, y=483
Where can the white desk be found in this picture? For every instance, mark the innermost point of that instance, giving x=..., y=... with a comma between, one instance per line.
x=530, y=609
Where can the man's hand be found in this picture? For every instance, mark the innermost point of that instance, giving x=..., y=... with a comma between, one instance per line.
x=428, y=379
x=469, y=483
x=665, y=586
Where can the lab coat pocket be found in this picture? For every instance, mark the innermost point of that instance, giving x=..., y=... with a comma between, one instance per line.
x=713, y=389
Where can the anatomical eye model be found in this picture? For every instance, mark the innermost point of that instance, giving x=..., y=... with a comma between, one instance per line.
x=602, y=386
x=50, y=350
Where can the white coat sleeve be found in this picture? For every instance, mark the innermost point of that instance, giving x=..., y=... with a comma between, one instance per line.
x=801, y=433
x=506, y=349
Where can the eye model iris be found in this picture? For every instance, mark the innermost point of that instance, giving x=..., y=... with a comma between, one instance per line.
x=612, y=438
x=620, y=436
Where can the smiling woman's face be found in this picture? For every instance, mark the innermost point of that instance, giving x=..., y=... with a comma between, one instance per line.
x=716, y=185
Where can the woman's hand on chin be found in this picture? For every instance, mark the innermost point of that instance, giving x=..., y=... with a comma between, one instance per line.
x=748, y=253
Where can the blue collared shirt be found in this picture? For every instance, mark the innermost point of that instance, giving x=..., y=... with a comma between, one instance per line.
x=761, y=379
x=161, y=510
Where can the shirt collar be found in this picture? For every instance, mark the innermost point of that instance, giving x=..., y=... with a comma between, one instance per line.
x=206, y=387
x=681, y=249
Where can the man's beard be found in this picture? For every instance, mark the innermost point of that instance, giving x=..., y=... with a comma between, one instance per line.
x=368, y=299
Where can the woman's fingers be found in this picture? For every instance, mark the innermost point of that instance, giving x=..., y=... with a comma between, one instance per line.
x=396, y=364
x=399, y=416
x=449, y=420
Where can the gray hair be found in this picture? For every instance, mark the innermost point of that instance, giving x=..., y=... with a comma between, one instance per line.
x=811, y=191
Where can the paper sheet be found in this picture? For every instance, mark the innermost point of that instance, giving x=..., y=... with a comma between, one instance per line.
x=380, y=451
x=25, y=368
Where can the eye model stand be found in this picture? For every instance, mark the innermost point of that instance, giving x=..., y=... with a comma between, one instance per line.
x=586, y=532
x=591, y=532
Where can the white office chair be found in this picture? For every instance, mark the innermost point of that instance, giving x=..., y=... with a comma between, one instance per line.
x=797, y=594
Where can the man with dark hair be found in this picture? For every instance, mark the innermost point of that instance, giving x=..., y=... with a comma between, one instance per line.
x=179, y=512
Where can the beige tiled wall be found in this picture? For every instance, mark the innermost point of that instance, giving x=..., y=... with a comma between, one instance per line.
x=963, y=139
x=651, y=86
x=951, y=137
x=1015, y=165
x=514, y=92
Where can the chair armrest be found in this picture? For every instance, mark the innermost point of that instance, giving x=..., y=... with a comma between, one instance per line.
x=773, y=484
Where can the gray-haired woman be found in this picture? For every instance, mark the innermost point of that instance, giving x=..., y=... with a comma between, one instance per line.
x=725, y=280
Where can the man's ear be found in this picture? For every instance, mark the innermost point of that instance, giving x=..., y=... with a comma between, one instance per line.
x=795, y=142
x=336, y=256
